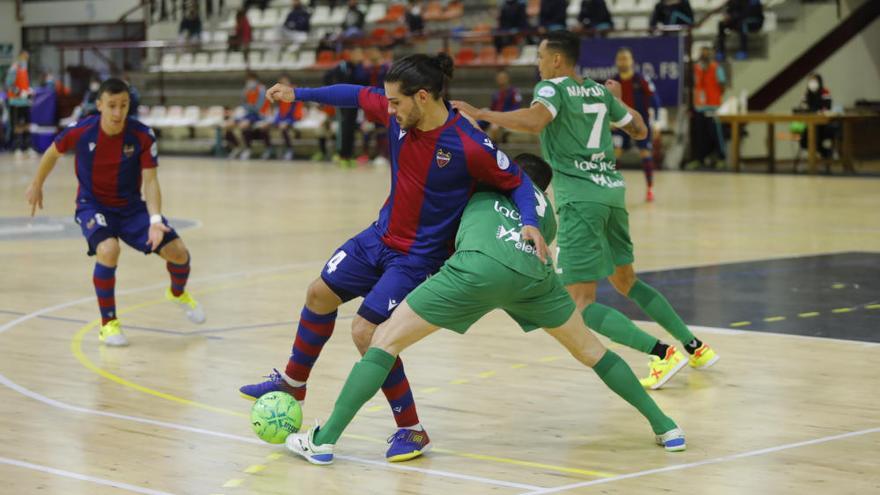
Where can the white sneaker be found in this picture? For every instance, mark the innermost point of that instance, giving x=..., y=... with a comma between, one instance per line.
x=381, y=161
x=303, y=444
x=18, y=154
x=288, y=155
x=31, y=153
x=672, y=440
x=245, y=155
x=190, y=306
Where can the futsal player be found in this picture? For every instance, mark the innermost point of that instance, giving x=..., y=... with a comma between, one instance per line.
x=637, y=92
x=437, y=160
x=492, y=268
x=116, y=157
x=574, y=118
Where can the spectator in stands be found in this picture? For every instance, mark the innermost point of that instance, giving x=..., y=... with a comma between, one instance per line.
x=744, y=17
x=191, y=23
x=552, y=15
x=254, y=109
x=286, y=115
x=672, y=13
x=243, y=34
x=297, y=24
x=506, y=99
x=594, y=16
x=353, y=23
x=377, y=67
x=415, y=23
x=637, y=91
x=512, y=19
x=817, y=99
x=18, y=97
x=349, y=71
x=89, y=105
x=709, y=82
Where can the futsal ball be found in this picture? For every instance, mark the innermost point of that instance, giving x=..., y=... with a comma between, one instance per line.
x=275, y=416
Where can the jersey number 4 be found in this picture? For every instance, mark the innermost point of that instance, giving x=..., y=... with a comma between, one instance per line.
x=599, y=110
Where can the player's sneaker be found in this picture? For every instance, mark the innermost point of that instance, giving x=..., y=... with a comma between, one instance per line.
x=649, y=196
x=672, y=440
x=245, y=154
x=703, y=357
x=111, y=334
x=193, y=309
x=275, y=383
x=664, y=369
x=288, y=155
x=407, y=444
x=303, y=444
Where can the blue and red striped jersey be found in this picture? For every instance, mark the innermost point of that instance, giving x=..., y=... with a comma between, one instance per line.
x=639, y=93
x=108, y=168
x=433, y=173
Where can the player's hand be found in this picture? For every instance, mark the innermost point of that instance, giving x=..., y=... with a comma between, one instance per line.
x=157, y=233
x=531, y=233
x=467, y=109
x=280, y=92
x=614, y=87
x=34, y=197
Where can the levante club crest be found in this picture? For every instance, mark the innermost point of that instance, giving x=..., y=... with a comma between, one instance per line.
x=128, y=150
x=443, y=158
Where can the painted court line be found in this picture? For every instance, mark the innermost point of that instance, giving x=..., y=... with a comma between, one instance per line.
x=81, y=477
x=228, y=436
x=715, y=460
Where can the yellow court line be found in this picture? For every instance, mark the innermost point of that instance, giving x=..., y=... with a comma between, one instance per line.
x=233, y=483
x=771, y=319
x=256, y=468
x=274, y=456
x=740, y=323
x=872, y=306
x=76, y=350
x=518, y=365
x=429, y=390
x=459, y=381
x=375, y=408
x=809, y=315
x=487, y=374
x=549, y=359
x=842, y=310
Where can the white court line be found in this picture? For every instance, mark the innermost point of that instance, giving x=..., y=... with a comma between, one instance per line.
x=228, y=436
x=715, y=460
x=81, y=477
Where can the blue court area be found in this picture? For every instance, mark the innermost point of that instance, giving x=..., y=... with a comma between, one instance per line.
x=830, y=295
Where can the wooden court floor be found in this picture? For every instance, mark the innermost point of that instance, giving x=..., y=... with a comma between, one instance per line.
x=508, y=413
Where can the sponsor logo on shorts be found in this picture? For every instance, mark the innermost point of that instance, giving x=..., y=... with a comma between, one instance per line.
x=514, y=236
x=443, y=157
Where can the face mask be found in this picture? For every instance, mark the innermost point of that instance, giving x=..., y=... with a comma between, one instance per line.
x=94, y=87
x=813, y=85
x=251, y=84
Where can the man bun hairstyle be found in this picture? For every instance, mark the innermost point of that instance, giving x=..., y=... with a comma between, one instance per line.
x=112, y=86
x=419, y=71
x=566, y=43
x=536, y=168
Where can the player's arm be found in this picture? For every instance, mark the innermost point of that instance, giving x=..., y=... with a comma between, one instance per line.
x=622, y=116
x=532, y=120
x=153, y=198
x=34, y=192
x=372, y=101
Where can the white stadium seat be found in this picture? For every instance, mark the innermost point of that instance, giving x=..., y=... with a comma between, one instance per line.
x=376, y=12
x=201, y=61
x=321, y=16
x=306, y=59
x=289, y=60
x=235, y=61
x=638, y=23
x=218, y=61
x=169, y=61
x=213, y=116
x=184, y=63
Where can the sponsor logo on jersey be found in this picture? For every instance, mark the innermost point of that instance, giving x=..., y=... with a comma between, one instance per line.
x=128, y=150
x=503, y=160
x=443, y=158
x=154, y=149
x=488, y=142
x=547, y=92
x=401, y=134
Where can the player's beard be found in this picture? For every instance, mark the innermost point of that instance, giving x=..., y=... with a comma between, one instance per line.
x=413, y=119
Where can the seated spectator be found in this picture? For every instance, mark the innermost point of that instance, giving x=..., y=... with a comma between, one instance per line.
x=254, y=109
x=243, y=34
x=512, y=19
x=672, y=13
x=552, y=15
x=506, y=99
x=297, y=24
x=287, y=114
x=18, y=97
x=191, y=23
x=377, y=67
x=415, y=23
x=744, y=17
x=817, y=99
x=594, y=16
x=353, y=23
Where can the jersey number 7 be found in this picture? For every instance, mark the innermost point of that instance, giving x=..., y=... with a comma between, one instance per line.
x=598, y=109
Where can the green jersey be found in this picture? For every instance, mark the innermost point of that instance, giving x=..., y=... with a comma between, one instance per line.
x=491, y=225
x=577, y=142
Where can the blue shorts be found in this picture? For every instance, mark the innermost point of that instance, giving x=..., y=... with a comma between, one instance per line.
x=283, y=120
x=251, y=117
x=624, y=141
x=131, y=224
x=365, y=267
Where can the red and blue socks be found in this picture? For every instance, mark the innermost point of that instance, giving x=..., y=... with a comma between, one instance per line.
x=179, y=275
x=312, y=333
x=399, y=394
x=104, y=278
x=648, y=168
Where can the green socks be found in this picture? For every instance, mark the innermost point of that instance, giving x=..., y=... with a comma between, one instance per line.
x=363, y=382
x=617, y=327
x=658, y=308
x=620, y=378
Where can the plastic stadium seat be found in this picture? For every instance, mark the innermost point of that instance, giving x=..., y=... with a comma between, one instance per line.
x=270, y=35
x=169, y=61
x=480, y=33
x=454, y=10
x=529, y=56
x=213, y=116
x=255, y=58
x=638, y=23
x=624, y=7
x=229, y=23
x=321, y=16
x=271, y=18
x=218, y=61
x=157, y=113
x=184, y=63
x=375, y=13
x=394, y=13
x=306, y=59
x=235, y=61
x=399, y=32
x=325, y=59
x=770, y=22
x=201, y=61
x=289, y=61
x=465, y=56
x=173, y=115
x=486, y=56
x=700, y=5
x=574, y=8
x=338, y=16
x=509, y=54
x=220, y=36
x=433, y=11
x=379, y=36
x=269, y=60
x=255, y=16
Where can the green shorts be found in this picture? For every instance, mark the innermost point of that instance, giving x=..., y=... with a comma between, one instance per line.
x=593, y=239
x=472, y=284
